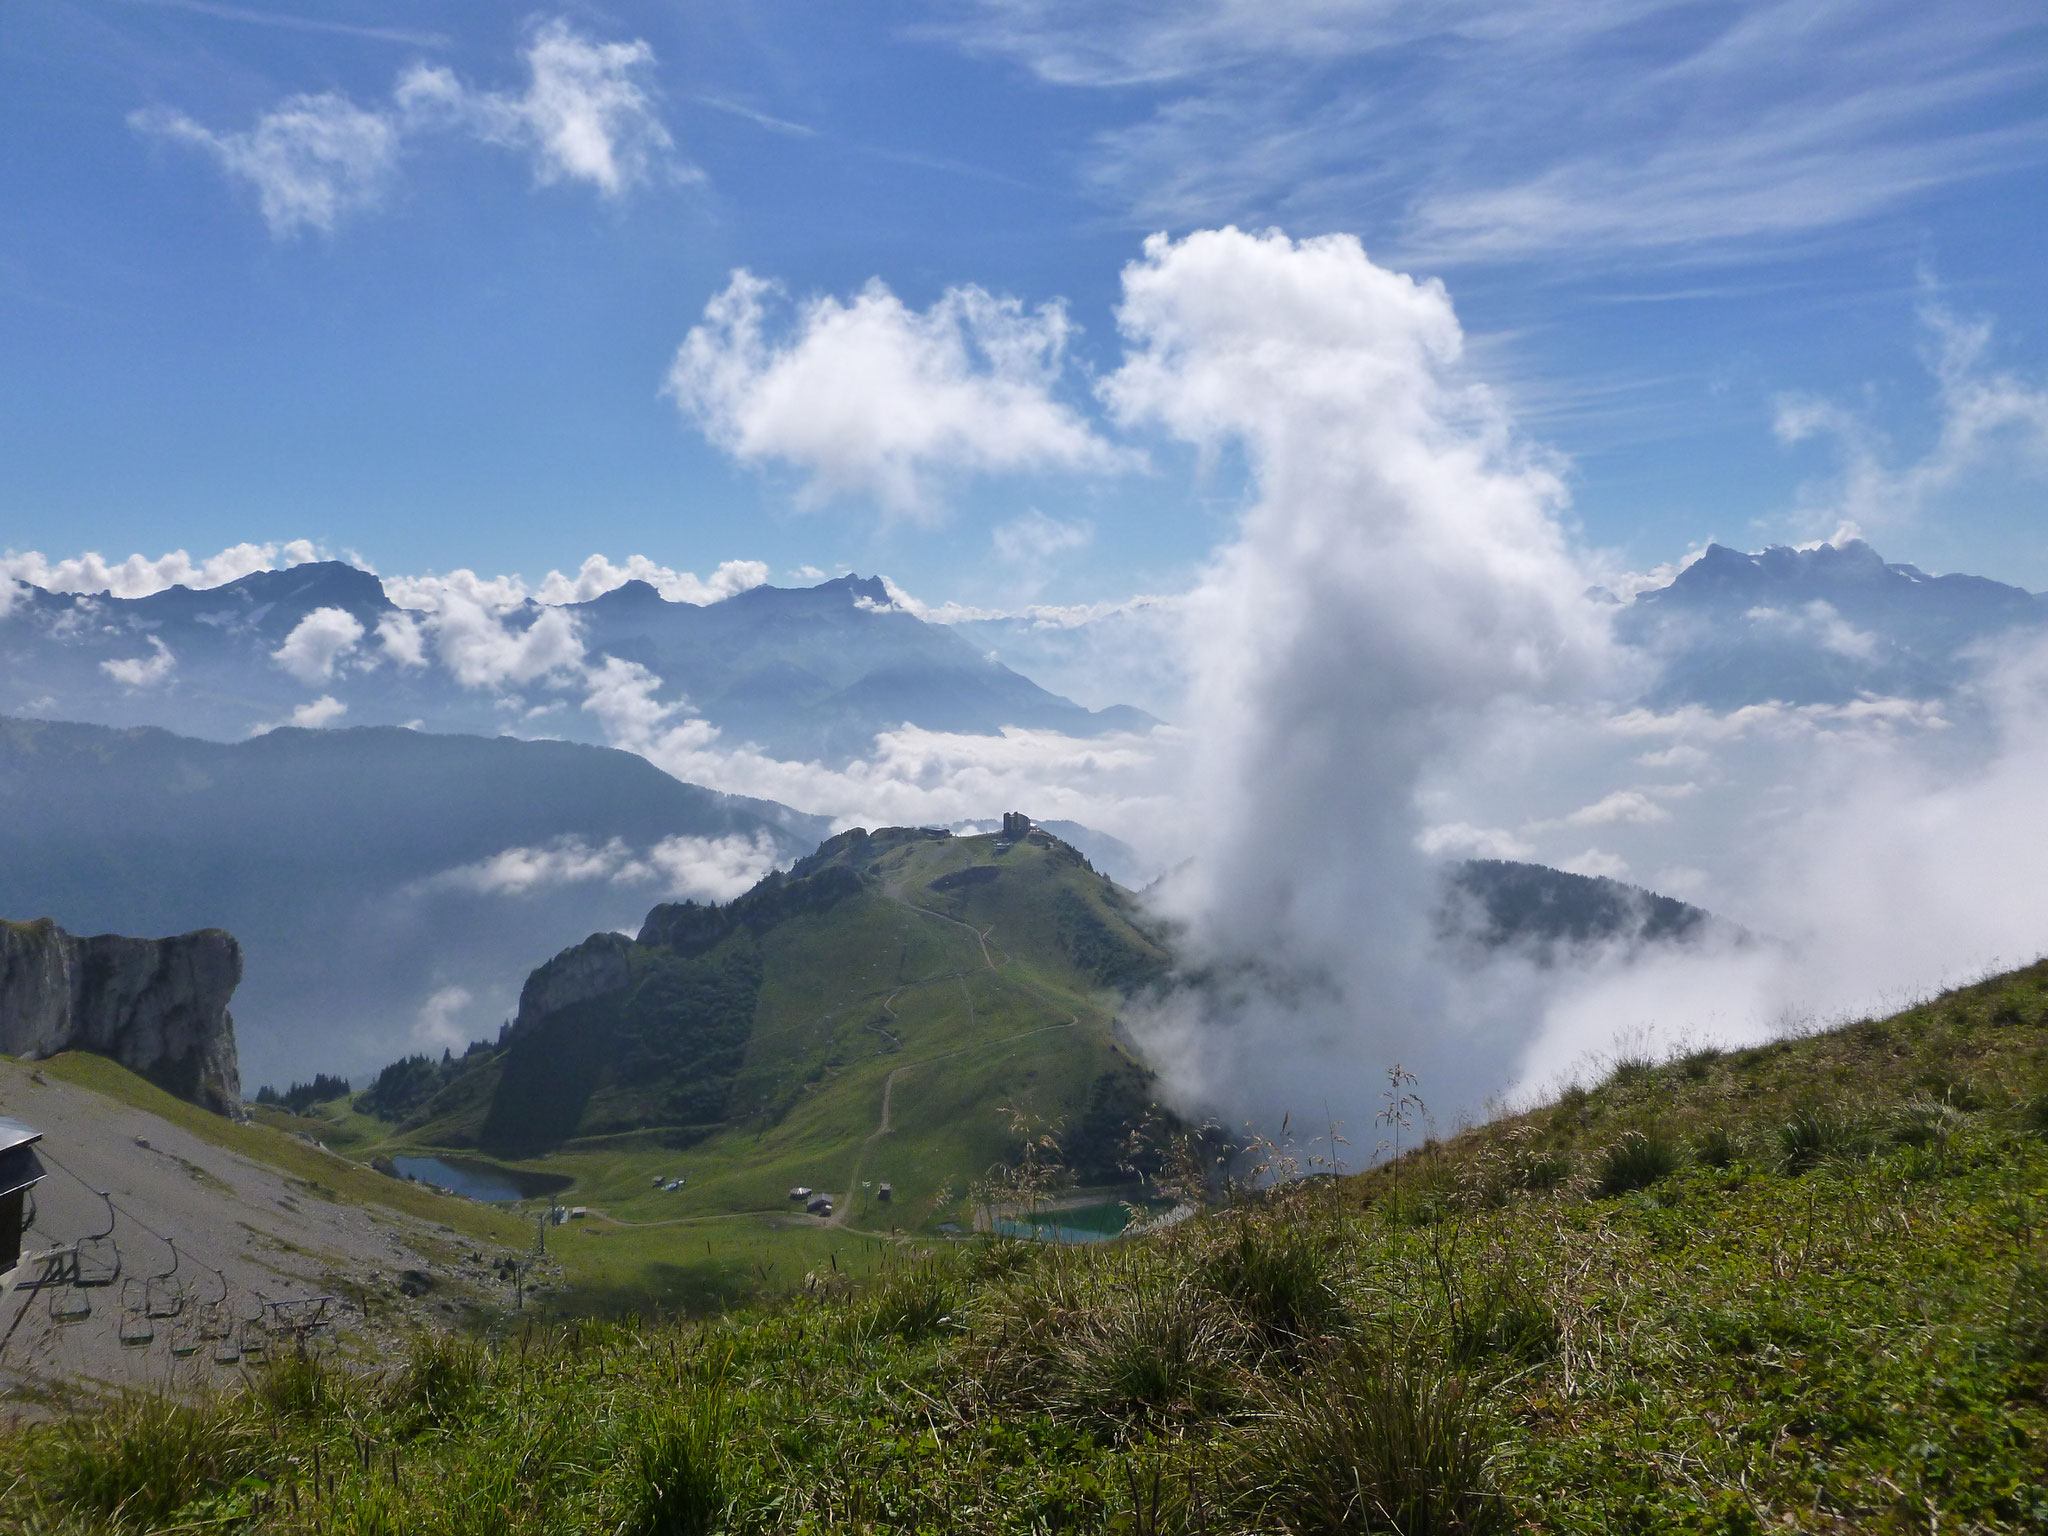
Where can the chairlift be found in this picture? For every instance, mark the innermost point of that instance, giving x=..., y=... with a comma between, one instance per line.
x=59, y=1269
x=164, y=1295
x=185, y=1340
x=300, y=1316
x=59, y=1276
x=99, y=1260
x=253, y=1335
x=216, y=1319
x=136, y=1330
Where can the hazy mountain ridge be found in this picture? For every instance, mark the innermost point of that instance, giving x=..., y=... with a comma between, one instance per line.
x=808, y=672
x=1814, y=625
x=365, y=871
x=1820, y=625
x=1549, y=914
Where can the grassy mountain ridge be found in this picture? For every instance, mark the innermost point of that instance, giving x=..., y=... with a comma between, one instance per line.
x=1802, y=1287
x=865, y=1017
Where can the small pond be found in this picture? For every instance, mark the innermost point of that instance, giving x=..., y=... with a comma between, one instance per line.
x=480, y=1180
x=1077, y=1224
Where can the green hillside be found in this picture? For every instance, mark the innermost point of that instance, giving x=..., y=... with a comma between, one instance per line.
x=886, y=1012
x=1802, y=1288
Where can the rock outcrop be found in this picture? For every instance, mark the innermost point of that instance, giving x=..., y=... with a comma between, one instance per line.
x=598, y=965
x=157, y=1006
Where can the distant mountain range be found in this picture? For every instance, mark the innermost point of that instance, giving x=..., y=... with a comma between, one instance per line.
x=389, y=887
x=805, y=673
x=1802, y=626
x=1818, y=626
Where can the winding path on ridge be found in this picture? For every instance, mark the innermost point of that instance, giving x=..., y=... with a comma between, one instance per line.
x=840, y=1207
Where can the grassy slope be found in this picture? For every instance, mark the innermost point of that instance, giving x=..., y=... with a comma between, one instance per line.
x=1856, y=1342
x=894, y=983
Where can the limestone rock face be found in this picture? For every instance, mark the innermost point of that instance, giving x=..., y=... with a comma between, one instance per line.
x=157, y=1006
x=596, y=966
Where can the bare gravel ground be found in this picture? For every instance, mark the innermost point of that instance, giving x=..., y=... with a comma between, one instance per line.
x=244, y=1232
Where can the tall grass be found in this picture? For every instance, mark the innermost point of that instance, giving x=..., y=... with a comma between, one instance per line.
x=1816, y=1132
x=1392, y=1442
x=142, y=1458
x=674, y=1482
x=1638, y=1160
x=1151, y=1351
x=1278, y=1275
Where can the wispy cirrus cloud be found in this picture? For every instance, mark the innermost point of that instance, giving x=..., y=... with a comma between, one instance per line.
x=286, y=21
x=1984, y=416
x=1483, y=129
x=586, y=114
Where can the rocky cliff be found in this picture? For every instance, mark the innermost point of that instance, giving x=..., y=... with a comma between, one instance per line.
x=157, y=1006
x=598, y=965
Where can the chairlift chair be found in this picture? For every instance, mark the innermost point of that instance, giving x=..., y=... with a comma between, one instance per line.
x=59, y=1276
x=215, y=1319
x=164, y=1295
x=99, y=1259
x=136, y=1330
x=253, y=1335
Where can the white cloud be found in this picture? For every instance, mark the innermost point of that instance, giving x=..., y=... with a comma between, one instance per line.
x=872, y=398
x=1820, y=622
x=139, y=576
x=142, y=671
x=318, y=643
x=598, y=575
x=1401, y=577
x=485, y=631
x=312, y=159
x=322, y=711
x=1599, y=865
x=1460, y=839
x=1624, y=805
x=1120, y=783
x=311, y=716
x=402, y=640
x=315, y=159
x=435, y=1028
x=700, y=868
x=584, y=116
x=1985, y=417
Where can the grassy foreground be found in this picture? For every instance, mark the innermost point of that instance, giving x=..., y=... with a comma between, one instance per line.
x=1803, y=1287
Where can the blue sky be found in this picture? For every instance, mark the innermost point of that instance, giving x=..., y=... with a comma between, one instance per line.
x=336, y=272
